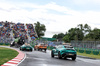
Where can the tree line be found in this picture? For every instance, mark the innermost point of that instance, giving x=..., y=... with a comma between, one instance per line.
x=79, y=33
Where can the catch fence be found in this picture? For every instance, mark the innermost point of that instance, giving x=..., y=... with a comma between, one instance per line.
x=88, y=47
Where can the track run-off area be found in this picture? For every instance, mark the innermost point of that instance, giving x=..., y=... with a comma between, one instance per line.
x=41, y=58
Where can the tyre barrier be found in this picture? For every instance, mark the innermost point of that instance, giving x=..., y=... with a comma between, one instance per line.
x=4, y=43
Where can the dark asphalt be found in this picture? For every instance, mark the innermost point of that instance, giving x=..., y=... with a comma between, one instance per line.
x=40, y=58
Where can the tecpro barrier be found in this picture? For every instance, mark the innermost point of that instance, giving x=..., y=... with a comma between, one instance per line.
x=4, y=43
x=83, y=50
x=88, y=51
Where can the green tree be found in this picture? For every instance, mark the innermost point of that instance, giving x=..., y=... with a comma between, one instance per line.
x=40, y=29
x=81, y=32
x=59, y=36
x=71, y=33
x=55, y=36
x=93, y=35
x=66, y=38
x=75, y=34
x=80, y=26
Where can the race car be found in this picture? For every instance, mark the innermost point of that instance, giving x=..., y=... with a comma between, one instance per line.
x=26, y=47
x=64, y=51
x=17, y=42
x=40, y=46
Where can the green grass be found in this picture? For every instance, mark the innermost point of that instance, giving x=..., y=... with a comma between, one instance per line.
x=89, y=55
x=7, y=54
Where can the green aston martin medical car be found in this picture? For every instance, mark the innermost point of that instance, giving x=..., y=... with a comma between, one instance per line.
x=26, y=47
x=64, y=51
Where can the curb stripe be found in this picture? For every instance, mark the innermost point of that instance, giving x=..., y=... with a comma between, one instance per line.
x=12, y=62
x=15, y=61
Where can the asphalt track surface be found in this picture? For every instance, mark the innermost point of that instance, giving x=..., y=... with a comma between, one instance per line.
x=41, y=58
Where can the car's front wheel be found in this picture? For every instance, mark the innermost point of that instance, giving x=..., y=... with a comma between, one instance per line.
x=73, y=58
x=52, y=54
x=59, y=55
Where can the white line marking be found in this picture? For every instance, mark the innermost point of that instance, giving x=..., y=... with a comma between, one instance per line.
x=38, y=58
x=13, y=61
x=8, y=64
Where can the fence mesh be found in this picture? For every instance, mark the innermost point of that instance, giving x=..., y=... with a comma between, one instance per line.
x=88, y=47
x=86, y=44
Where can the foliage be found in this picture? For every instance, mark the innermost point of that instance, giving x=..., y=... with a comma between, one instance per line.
x=40, y=29
x=66, y=38
x=93, y=35
x=55, y=36
x=81, y=32
x=59, y=36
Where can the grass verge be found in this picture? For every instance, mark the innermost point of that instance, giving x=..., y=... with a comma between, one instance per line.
x=7, y=54
x=89, y=55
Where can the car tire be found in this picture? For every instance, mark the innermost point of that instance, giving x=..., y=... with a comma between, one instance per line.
x=31, y=50
x=65, y=57
x=45, y=50
x=73, y=58
x=52, y=54
x=38, y=49
x=41, y=49
x=59, y=55
x=34, y=49
x=22, y=49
